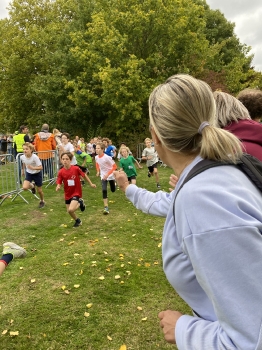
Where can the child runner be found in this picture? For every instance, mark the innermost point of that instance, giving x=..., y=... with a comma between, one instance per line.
x=70, y=175
x=126, y=163
x=10, y=251
x=33, y=173
x=105, y=167
x=149, y=154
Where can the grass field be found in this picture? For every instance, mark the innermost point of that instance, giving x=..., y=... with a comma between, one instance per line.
x=96, y=287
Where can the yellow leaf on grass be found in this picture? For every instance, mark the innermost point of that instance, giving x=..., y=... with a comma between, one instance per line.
x=61, y=239
x=147, y=264
x=123, y=347
x=156, y=263
x=108, y=269
x=63, y=287
x=5, y=331
x=86, y=314
x=128, y=220
x=21, y=268
x=81, y=272
x=67, y=291
x=122, y=282
x=76, y=254
x=117, y=277
x=144, y=319
x=70, y=243
x=109, y=338
x=76, y=285
x=13, y=333
x=134, y=235
x=159, y=245
x=33, y=280
x=122, y=265
x=101, y=278
x=65, y=264
x=121, y=255
x=139, y=308
x=128, y=272
x=89, y=305
x=151, y=229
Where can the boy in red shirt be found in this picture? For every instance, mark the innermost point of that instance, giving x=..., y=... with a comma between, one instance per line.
x=70, y=175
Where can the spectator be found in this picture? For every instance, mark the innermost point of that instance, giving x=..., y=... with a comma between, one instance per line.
x=233, y=116
x=252, y=100
x=45, y=143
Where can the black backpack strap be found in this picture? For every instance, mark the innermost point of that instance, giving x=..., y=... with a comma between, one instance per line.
x=252, y=167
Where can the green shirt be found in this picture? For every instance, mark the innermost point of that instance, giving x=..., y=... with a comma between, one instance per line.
x=127, y=164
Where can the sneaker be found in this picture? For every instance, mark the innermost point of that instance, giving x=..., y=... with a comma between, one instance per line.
x=106, y=211
x=149, y=174
x=41, y=205
x=14, y=249
x=77, y=223
x=82, y=204
x=33, y=189
x=158, y=186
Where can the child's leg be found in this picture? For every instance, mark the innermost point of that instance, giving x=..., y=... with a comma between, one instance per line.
x=112, y=184
x=104, y=192
x=41, y=193
x=71, y=208
x=27, y=185
x=156, y=175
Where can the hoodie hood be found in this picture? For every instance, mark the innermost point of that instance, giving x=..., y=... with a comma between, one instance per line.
x=44, y=135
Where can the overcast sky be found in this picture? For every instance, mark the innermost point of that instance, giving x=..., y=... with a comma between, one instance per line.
x=246, y=14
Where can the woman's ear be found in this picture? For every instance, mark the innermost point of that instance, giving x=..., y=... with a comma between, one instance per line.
x=154, y=136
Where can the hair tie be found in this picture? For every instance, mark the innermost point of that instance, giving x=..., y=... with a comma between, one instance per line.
x=202, y=126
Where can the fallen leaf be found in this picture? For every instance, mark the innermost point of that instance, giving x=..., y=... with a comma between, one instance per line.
x=21, y=268
x=108, y=269
x=81, y=272
x=151, y=229
x=121, y=255
x=128, y=220
x=134, y=235
x=65, y=264
x=89, y=305
x=33, y=280
x=76, y=285
x=117, y=277
x=128, y=273
x=109, y=338
x=156, y=263
x=86, y=314
x=67, y=291
x=70, y=243
x=13, y=333
x=144, y=319
x=147, y=264
x=159, y=245
x=123, y=347
x=139, y=308
x=5, y=331
x=61, y=239
x=51, y=209
x=76, y=254
x=63, y=287
x=101, y=278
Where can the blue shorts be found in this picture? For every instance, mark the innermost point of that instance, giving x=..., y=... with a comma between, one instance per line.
x=37, y=178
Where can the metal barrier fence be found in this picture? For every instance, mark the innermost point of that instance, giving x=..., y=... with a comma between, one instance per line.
x=11, y=178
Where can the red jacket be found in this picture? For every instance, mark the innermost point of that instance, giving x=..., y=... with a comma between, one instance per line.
x=250, y=133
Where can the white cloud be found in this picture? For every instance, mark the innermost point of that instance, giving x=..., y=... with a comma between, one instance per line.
x=247, y=15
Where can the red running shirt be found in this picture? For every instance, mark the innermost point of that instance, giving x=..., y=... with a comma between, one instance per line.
x=71, y=180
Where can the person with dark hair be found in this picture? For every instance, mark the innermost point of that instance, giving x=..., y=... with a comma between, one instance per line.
x=212, y=239
x=252, y=100
x=70, y=175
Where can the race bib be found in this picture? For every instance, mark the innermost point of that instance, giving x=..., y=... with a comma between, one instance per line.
x=71, y=182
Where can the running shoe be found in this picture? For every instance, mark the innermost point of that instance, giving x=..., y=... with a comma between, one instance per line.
x=77, y=223
x=158, y=185
x=14, y=249
x=106, y=211
x=82, y=204
x=41, y=204
x=149, y=174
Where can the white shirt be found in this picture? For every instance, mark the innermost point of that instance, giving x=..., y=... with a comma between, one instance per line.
x=33, y=160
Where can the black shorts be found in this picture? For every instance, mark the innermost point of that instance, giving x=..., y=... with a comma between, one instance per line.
x=37, y=178
x=82, y=168
x=133, y=177
x=152, y=167
x=75, y=198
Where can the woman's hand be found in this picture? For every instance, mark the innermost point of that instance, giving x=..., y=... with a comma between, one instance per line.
x=121, y=179
x=168, y=320
x=173, y=181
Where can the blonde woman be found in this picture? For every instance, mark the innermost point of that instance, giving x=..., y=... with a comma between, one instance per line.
x=212, y=243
